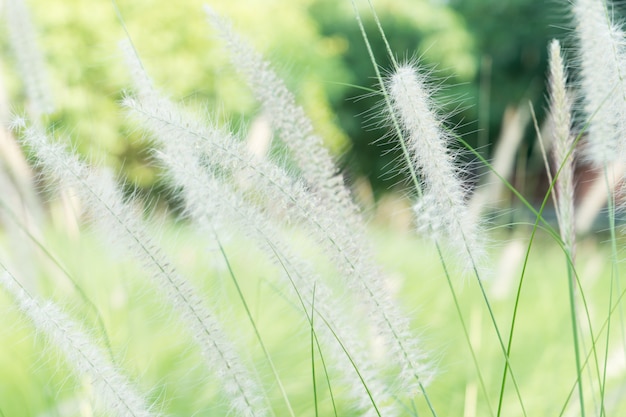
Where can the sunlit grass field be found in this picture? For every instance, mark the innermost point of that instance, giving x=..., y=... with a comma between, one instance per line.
x=147, y=342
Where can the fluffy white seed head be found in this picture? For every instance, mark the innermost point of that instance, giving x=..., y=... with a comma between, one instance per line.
x=346, y=246
x=115, y=393
x=30, y=61
x=563, y=143
x=290, y=121
x=441, y=211
x=602, y=57
x=122, y=226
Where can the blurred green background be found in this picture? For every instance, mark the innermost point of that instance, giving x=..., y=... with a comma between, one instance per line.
x=485, y=55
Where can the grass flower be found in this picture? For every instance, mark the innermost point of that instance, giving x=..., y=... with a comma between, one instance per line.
x=602, y=58
x=347, y=248
x=563, y=150
x=30, y=61
x=123, y=227
x=116, y=394
x=441, y=211
x=212, y=202
x=288, y=119
x=563, y=145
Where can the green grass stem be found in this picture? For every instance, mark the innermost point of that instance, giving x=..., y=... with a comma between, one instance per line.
x=310, y=319
x=313, y=379
x=254, y=327
x=79, y=290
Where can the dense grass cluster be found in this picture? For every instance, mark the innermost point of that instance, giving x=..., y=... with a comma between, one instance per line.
x=271, y=295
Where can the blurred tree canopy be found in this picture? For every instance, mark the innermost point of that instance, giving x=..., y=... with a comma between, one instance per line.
x=314, y=44
x=511, y=40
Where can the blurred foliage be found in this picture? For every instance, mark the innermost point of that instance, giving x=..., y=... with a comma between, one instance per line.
x=315, y=45
x=512, y=42
x=80, y=41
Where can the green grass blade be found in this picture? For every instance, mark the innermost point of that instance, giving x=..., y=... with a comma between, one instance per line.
x=280, y=260
x=595, y=341
x=614, y=274
x=256, y=330
x=539, y=218
x=81, y=293
x=313, y=353
x=466, y=333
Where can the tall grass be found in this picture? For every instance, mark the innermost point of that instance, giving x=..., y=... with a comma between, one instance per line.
x=271, y=295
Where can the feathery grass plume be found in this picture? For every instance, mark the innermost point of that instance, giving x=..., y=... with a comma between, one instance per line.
x=602, y=51
x=563, y=150
x=124, y=228
x=290, y=121
x=346, y=247
x=560, y=118
x=115, y=393
x=333, y=326
x=441, y=210
x=30, y=62
x=211, y=203
x=602, y=58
